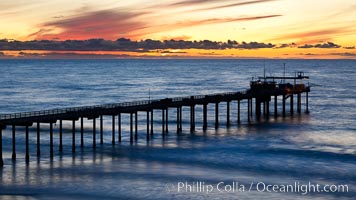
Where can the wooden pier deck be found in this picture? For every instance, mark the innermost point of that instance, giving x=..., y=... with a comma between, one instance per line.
x=261, y=92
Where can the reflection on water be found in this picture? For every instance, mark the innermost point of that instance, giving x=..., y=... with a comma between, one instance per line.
x=143, y=169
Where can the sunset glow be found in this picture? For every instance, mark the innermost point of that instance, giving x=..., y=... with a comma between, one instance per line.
x=297, y=29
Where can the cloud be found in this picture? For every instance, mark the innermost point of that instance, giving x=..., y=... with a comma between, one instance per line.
x=178, y=52
x=58, y=17
x=285, y=45
x=193, y=2
x=148, y=45
x=234, y=4
x=346, y=54
x=222, y=20
x=189, y=3
x=316, y=35
x=124, y=44
x=321, y=45
x=254, y=45
x=182, y=37
x=342, y=54
x=351, y=47
x=191, y=23
x=308, y=54
x=327, y=45
x=306, y=46
x=109, y=24
x=41, y=32
x=16, y=8
x=67, y=55
x=115, y=23
x=210, y=54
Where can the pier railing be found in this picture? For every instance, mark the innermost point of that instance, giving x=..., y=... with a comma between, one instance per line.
x=150, y=103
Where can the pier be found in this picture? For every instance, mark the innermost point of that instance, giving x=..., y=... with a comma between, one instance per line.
x=261, y=92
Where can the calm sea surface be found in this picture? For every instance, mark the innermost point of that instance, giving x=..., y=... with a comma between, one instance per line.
x=316, y=148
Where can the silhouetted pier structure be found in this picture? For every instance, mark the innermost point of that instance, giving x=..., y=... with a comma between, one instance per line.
x=262, y=91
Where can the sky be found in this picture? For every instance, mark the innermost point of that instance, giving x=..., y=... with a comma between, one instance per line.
x=296, y=28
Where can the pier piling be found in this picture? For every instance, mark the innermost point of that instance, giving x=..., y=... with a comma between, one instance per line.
x=307, y=102
x=38, y=130
x=13, y=142
x=205, y=116
x=27, y=156
x=251, y=107
x=299, y=103
x=148, y=126
x=1, y=158
x=131, y=127
x=167, y=120
x=267, y=109
x=94, y=133
x=101, y=130
x=51, y=139
x=192, y=118
x=136, y=129
x=284, y=105
x=60, y=136
x=73, y=136
x=163, y=122
x=178, y=120
x=275, y=107
x=216, y=115
x=257, y=109
x=113, y=130
x=291, y=104
x=152, y=122
x=119, y=126
x=248, y=110
x=81, y=132
x=238, y=112
x=228, y=113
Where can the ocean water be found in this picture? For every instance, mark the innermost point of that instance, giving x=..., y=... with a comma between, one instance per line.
x=306, y=149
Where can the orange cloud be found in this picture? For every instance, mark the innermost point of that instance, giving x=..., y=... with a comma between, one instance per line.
x=112, y=24
x=182, y=37
x=108, y=24
x=316, y=35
